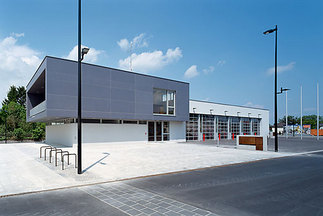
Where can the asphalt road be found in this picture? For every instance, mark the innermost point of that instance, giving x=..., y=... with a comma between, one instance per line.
x=285, y=186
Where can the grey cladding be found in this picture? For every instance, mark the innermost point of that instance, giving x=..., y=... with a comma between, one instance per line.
x=107, y=93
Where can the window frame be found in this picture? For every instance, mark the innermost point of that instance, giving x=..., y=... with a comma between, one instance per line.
x=167, y=104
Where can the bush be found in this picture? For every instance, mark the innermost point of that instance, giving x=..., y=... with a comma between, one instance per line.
x=38, y=133
x=19, y=134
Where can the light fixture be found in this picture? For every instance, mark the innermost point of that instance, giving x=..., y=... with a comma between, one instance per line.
x=85, y=50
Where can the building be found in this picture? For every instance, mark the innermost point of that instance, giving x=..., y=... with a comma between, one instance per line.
x=222, y=121
x=123, y=106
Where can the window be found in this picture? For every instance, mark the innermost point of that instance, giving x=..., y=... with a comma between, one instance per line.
x=129, y=122
x=165, y=131
x=164, y=102
x=110, y=121
x=143, y=122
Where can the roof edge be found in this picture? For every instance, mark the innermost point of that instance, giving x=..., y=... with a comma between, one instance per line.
x=229, y=104
x=117, y=69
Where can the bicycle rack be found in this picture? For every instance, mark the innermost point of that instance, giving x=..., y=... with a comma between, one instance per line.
x=60, y=151
x=50, y=147
x=57, y=151
x=50, y=153
x=68, y=159
x=41, y=148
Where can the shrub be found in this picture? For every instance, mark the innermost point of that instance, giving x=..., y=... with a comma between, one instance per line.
x=19, y=134
x=38, y=133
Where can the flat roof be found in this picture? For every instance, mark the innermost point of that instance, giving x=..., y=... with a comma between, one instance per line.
x=124, y=71
x=228, y=104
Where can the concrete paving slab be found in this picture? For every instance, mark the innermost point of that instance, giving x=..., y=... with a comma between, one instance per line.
x=23, y=171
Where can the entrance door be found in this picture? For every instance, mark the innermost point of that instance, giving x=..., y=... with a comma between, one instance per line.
x=151, y=131
x=158, y=131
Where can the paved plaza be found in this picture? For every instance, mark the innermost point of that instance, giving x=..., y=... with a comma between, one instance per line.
x=24, y=171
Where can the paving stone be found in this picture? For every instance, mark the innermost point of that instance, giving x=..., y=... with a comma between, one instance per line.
x=188, y=207
x=125, y=208
x=147, y=211
x=187, y=213
x=157, y=214
x=133, y=212
x=171, y=213
x=178, y=204
x=201, y=212
x=163, y=204
x=151, y=205
x=175, y=208
x=142, y=202
x=138, y=206
x=161, y=209
x=129, y=202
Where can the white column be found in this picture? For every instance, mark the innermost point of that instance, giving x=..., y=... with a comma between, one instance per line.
x=228, y=130
x=318, y=114
x=286, y=132
x=199, y=126
x=301, y=112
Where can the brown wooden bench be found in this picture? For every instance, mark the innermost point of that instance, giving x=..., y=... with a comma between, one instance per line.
x=252, y=140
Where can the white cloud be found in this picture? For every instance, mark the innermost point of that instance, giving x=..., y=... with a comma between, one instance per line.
x=250, y=104
x=91, y=56
x=221, y=62
x=151, y=61
x=136, y=42
x=191, y=72
x=208, y=70
x=281, y=68
x=18, y=63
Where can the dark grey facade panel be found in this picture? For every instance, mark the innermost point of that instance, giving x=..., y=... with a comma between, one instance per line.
x=106, y=93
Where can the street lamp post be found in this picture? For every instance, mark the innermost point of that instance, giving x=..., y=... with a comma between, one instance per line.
x=81, y=53
x=275, y=91
x=281, y=91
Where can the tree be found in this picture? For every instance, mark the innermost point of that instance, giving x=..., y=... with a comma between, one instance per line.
x=17, y=95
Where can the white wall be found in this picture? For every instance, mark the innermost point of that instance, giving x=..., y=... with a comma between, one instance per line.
x=114, y=132
x=177, y=131
x=66, y=134
x=61, y=134
x=231, y=110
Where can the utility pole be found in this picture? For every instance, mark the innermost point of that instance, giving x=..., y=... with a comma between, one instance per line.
x=318, y=114
x=301, y=112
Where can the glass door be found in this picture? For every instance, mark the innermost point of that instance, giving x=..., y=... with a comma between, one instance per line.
x=151, y=131
x=158, y=131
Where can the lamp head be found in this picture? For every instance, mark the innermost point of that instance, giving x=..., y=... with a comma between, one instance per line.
x=85, y=50
x=269, y=31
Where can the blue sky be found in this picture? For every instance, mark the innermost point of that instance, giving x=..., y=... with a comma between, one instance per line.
x=216, y=46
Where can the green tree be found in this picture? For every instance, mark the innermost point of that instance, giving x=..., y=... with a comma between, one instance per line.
x=17, y=95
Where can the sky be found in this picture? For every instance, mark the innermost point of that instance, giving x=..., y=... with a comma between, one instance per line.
x=215, y=45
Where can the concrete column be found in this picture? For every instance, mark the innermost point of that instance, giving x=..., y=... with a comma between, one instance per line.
x=199, y=126
x=215, y=129
x=251, y=132
x=228, y=129
x=241, y=126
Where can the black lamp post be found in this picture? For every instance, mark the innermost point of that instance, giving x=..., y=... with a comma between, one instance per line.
x=81, y=53
x=275, y=91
